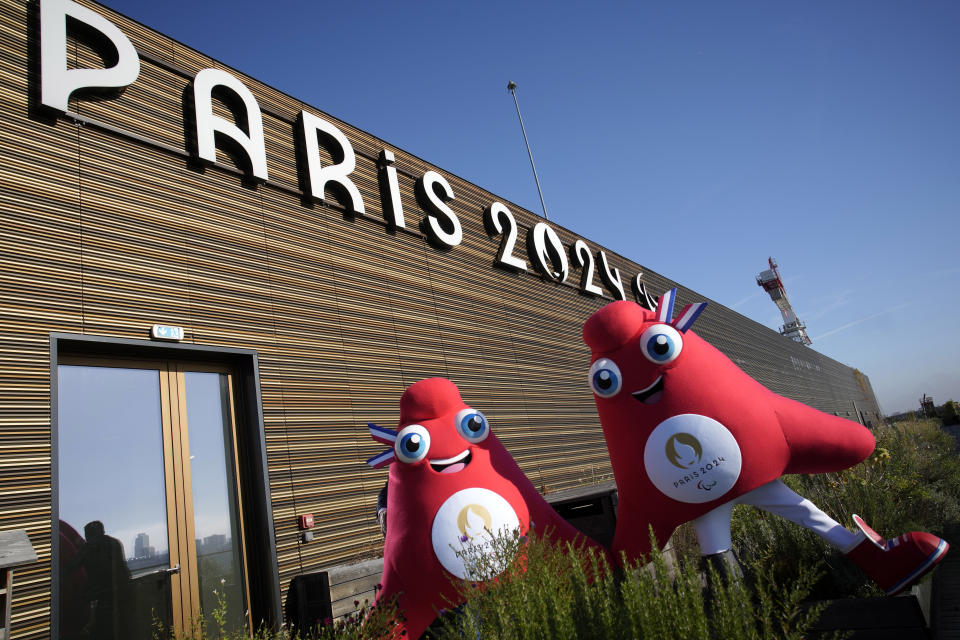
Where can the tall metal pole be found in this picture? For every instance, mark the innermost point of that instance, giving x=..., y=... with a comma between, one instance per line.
x=512, y=86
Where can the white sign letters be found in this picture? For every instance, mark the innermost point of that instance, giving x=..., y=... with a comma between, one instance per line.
x=245, y=133
x=208, y=123
x=57, y=82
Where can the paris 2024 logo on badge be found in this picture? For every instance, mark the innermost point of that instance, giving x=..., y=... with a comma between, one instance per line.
x=692, y=458
x=466, y=525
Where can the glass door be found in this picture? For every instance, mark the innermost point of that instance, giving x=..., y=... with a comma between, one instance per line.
x=150, y=520
x=218, y=535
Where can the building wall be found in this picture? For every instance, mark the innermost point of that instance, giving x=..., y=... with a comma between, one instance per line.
x=110, y=225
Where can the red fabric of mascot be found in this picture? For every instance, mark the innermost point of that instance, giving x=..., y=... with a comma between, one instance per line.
x=452, y=484
x=690, y=435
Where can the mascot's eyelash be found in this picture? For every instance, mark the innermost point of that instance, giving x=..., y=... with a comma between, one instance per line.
x=383, y=436
x=686, y=318
x=665, y=305
x=381, y=459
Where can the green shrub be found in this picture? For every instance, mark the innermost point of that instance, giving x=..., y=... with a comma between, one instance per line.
x=560, y=591
x=949, y=413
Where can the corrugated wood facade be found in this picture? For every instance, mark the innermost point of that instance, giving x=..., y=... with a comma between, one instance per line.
x=109, y=226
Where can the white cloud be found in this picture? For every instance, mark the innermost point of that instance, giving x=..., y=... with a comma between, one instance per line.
x=862, y=320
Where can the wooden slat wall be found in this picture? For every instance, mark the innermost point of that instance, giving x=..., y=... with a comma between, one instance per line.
x=106, y=234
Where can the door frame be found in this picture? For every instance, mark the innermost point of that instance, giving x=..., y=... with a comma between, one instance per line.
x=260, y=553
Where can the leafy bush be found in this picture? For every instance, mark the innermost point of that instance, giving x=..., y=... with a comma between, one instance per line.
x=560, y=591
x=949, y=413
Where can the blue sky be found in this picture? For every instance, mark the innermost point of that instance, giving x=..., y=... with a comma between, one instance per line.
x=696, y=138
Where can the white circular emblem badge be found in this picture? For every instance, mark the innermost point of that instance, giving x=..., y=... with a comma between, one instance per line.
x=692, y=458
x=465, y=526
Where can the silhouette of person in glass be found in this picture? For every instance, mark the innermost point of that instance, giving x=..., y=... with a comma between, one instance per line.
x=74, y=608
x=108, y=583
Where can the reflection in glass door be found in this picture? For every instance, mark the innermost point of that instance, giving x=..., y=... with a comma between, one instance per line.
x=148, y=503
x=213, y=477
x=114, y=549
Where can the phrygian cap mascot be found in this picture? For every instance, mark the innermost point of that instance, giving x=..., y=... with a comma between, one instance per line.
x=452, y=484
x=690, y=435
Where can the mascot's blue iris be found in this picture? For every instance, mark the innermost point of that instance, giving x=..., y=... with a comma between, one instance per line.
x=660, y=347
x=413, y=444
x=605, y=378
x=472, y=425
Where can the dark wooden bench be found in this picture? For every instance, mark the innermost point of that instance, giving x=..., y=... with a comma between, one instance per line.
x=15, y=551
x=332, y=593
x=592, y=509
x=353, y=583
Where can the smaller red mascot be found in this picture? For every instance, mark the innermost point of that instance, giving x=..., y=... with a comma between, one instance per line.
x=452, y=484
x=690, y=435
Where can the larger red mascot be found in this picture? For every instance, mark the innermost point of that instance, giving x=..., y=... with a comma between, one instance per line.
x=690, y=435
x=452, y=484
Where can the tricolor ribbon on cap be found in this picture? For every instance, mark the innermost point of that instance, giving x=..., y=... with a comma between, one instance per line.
x=688, y=315
x=383, y=436
x=665, y=305
x=686, y=318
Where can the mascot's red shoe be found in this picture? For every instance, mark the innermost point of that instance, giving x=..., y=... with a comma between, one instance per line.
x=452, y=484
x=896, y=564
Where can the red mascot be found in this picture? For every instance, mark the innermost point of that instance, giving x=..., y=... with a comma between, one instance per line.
x=452, y=484
x=690, y=435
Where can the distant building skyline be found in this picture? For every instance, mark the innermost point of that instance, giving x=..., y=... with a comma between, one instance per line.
x=142, y=548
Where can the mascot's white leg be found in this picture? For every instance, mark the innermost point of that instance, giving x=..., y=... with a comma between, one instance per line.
x=713, y=534
x=779, y=499
x=713, y=528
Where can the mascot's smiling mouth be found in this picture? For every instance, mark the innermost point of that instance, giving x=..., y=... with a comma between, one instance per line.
x=454, y=464
x=652, y=394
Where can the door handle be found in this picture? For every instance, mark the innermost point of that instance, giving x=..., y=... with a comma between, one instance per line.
x=169, y=571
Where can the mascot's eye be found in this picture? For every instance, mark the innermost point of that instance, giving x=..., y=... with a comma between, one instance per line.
x=605, y=378
x=661, y=343
x=413, y=443
x=472, y=425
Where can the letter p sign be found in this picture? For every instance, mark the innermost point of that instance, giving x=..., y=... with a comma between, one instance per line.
x=57, y=82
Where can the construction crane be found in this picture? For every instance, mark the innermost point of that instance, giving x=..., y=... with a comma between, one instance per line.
x=772, y=284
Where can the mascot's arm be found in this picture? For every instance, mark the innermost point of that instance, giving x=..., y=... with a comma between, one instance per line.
x=820, y=442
